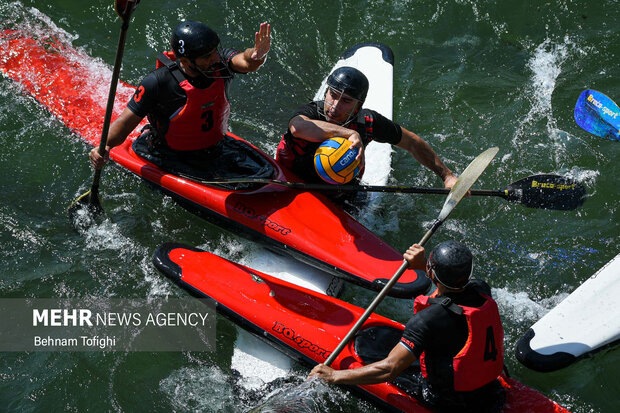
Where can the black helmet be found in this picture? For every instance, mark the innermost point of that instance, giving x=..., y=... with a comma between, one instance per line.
x=452, y=264
x=350, y=81
x=193, y=40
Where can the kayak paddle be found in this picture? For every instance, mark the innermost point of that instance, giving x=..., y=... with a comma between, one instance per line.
x=90, y=200
x=469, y=176
x=598, y=114
x=544, y=191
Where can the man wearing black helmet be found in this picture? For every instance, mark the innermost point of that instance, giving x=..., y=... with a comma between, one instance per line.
x=456, y=333
x=186, y=98
x=341, y=114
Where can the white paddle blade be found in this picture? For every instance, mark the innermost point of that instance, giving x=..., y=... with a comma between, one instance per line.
x=467, y=179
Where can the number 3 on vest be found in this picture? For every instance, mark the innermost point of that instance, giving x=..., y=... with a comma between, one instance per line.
x=207, y=115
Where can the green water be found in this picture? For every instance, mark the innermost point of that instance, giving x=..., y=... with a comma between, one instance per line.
x=468, y=76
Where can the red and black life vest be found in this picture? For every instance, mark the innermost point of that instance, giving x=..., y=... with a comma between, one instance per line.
x=481, y=359
x=203, y=120
x=298, y=154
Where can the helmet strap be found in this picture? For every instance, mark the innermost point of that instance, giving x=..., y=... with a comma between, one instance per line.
x=450, y=288
x=351, y=115
x=212, y=74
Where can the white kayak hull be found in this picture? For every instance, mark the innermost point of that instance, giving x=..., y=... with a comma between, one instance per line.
x=587, y=321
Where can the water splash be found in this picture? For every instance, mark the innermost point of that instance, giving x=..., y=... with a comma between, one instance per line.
x=209, y=389
x=199, y=389
x=303, y=398
x=522, y=308
x=545, y=64
x=38, y=24
x=586, y=176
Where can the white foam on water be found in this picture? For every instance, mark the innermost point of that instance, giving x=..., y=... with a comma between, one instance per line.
x=157, y=34
x=106, y=235
x=587, y=176
x=48, y=25
x=158, y=285
x=203, y=389
x=309, y=396
x=546, y=65
x=498, y=27
x=454, y=225
x=467, y=40
x=522, y=308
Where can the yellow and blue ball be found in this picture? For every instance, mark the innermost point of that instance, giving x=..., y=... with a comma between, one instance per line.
x=334, y=161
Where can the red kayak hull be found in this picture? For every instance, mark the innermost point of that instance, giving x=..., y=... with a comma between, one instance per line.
x=304, y=324
x=306, y=225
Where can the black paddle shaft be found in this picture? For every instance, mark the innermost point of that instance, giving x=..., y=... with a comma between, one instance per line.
x=124, y=11
x=112, y=93
x=542, y=191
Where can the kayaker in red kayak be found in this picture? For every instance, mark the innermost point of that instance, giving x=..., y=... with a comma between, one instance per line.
x=456, y=333
x=186, y=98
x=340, y=114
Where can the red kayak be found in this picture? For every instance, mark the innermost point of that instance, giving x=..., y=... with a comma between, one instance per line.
x=306, y=225
x=306, y=325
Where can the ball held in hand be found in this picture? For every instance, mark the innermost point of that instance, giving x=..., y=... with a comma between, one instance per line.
x=334, y=161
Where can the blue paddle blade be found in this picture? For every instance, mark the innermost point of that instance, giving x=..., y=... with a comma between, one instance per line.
x=598, y=114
